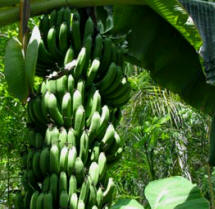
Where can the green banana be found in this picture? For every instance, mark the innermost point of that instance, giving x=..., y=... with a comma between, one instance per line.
x=44, y=26
x=81, y=60
x=54, y=186
x=69, y=55
x=76, y=33
x=51, y=85
x=53, y=18
x=81, y=88
x=102, y=161
x=72, y=154
x=54, y=136
x=108, y=193
x=71, y=138
x=79, y=120
x=84, y=191
x=98, y=47
x=88, y=45
x=108, y=79
x=63, y=184
x=34, y=200
x=122, y=90
x=67, y=16
x=73, y=201
x=52, y=43
x=48, y=201
x=63, y=37
x=63, y=159
x=77, y=100
x=96, y=106
x=92, y=71
x=115, y=84
x=36, y=165
x=121, y=100
x=92, y=195
x=53, y=110
x=40, y=199
x=37, y=109
x=61, y=86
x=105, y=116
x=54, y=159
x=108, y=138
x=44, y=161
x=107, y=54
x=94, y=126
x=38, y=140
x=60, y=17
x=79, y=169
x=89, y=29
x=94, y=173
x=64, y=200
x=71, y=84
x=95, y=152
x=81, y=204
x=84, y=144
x=99, y=197
x=46, y=184
x=62, y=138
x=72, y=185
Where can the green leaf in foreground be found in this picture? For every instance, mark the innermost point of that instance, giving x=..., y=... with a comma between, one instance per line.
x=31, y=57
x=127, y=204
x=15, y=70
x=175, y=193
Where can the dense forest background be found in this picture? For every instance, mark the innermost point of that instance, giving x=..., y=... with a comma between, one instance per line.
x=163, y=137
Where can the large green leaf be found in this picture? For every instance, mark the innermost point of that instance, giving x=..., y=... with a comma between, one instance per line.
x=31, y=57
x=175, y=193
x=15, y=70
x=163, y=50
x=127, y=204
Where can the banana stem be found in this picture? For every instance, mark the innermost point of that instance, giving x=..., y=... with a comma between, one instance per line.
x=11, y=15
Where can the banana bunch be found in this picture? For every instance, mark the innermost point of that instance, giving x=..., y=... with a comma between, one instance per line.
x=73, y=116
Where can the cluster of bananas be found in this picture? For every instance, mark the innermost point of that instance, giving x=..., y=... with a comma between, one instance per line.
x=73, y=116
x=63, y=170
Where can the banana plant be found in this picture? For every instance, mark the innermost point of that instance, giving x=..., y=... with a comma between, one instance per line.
x=74, y=112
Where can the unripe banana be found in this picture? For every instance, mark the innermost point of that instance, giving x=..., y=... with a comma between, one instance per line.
x=96, y=106
x=71, y=160
x=53, y=110
x=66, y=109
x=62, y=84
x=81, y=60
x=69, y=56
x=92, y=71
x=71, y=138
x=64, y=159
x=73, y=201
x=98, y=47
x=72, y=185
x=94, y=173
x=84, y=144
x=89, y=28
x=62, y=138
x=63, y=37
x=77, y=100
x=54, y=159
x=102, y=161
x=94, y=127
x=79, y=120
x=63, y=184
x=108, y=138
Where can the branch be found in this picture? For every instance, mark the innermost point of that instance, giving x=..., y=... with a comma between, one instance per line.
x=8, y=3
x=11, y=15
